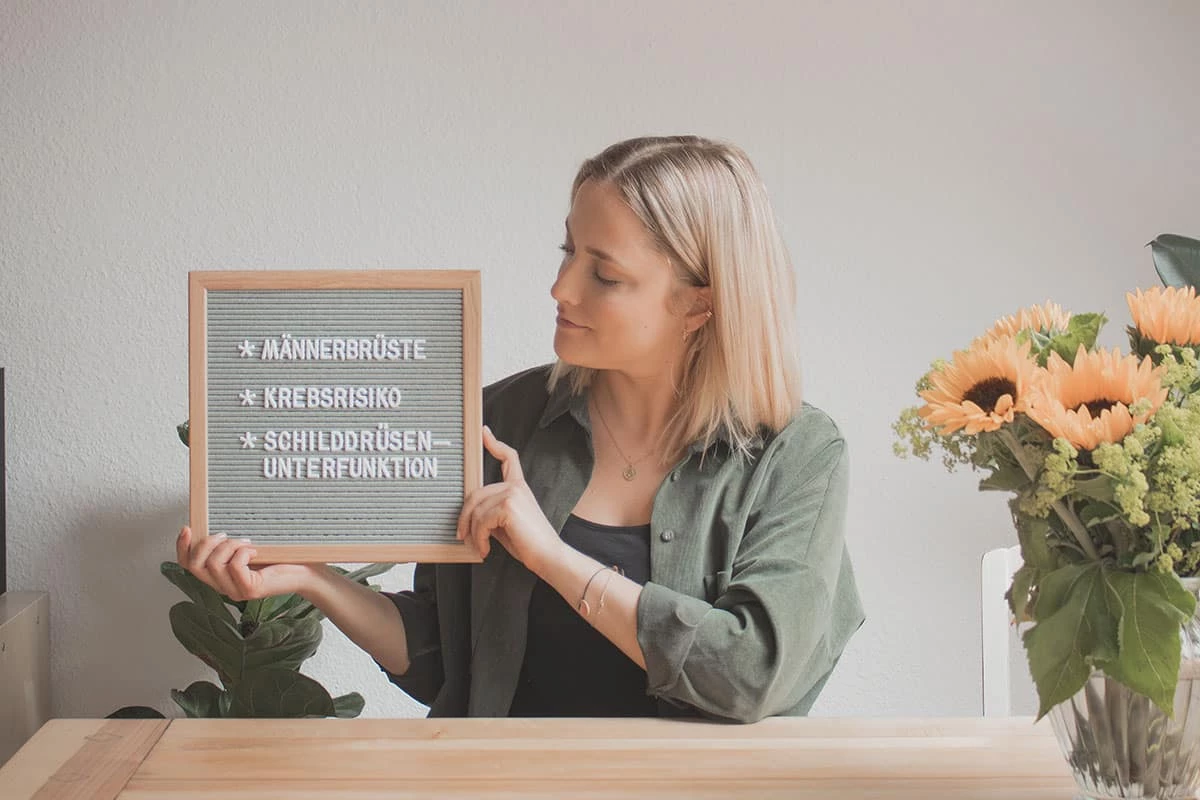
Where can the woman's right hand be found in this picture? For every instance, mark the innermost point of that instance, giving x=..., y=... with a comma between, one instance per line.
x=224, y=564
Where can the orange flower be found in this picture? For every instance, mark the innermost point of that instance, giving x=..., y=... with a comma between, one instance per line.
x=1088, y=403
x=1047, y=318
x=1167, y=316
x=984, y=388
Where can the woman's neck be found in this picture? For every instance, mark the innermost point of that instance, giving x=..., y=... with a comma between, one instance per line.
x=636, y=408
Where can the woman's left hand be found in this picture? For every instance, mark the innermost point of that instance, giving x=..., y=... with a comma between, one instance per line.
x=509, y=513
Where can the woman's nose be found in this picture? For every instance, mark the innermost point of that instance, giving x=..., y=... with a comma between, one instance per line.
x=565, y=287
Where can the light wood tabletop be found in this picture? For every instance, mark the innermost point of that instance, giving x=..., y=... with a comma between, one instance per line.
x=882, y=759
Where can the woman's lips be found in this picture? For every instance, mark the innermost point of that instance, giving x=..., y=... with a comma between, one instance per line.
x=563, y=322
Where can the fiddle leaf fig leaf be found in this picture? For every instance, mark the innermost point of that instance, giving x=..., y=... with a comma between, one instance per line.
x=280, y=693
x=199, y=592
x=348, y=706
x=201, y=699
x=210, y=638
x=1176, y=259
x=283, y=643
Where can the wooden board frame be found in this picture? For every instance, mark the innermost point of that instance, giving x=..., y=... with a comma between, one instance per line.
x=466, y=281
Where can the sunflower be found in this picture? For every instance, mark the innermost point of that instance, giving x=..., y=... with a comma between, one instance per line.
x=1048, y=318
x=985, y=387
x=1167, y=315
x=1088, y=403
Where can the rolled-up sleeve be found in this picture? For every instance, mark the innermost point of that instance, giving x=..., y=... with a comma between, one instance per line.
x=418, y=609
x=783, y=613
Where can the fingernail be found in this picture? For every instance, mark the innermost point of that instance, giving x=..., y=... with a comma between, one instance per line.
x=244, y=541
x=220, y=535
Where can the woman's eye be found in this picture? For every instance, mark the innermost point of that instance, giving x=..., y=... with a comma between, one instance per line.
x=566, y=249
x=604, y=280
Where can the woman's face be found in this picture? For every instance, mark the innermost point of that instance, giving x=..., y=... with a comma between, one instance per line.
x=620, y=305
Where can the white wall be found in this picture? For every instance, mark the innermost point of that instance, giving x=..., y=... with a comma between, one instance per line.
x=933, y=165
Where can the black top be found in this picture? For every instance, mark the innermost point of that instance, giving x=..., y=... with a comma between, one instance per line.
x=570, y=668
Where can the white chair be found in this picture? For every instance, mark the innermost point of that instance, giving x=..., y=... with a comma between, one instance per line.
x=996, y=623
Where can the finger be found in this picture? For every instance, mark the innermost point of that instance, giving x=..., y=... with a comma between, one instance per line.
x=200, y=550
x=245, y=580
x=510, y=462
x=182, y=544
x=472, y=501
x=218, y=568
x=489, y=516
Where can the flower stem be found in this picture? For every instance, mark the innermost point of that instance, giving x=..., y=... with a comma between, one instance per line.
x=1065, y=514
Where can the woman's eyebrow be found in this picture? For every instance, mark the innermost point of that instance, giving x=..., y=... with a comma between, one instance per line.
x=595, y=251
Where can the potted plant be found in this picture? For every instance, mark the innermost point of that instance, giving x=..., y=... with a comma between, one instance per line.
x=1101, y=453
x=256, y=648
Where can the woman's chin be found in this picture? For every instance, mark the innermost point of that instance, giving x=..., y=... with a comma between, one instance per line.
x=569, y=354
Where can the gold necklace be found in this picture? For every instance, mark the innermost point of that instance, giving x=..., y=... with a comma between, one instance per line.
x=629, y=473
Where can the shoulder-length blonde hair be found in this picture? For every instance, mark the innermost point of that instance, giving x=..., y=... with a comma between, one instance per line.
x=706, y=208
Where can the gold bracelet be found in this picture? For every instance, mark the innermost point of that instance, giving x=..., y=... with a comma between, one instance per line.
x=582, y=606
x=608, y=583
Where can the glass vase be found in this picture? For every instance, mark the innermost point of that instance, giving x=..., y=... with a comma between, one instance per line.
x=1118, y=744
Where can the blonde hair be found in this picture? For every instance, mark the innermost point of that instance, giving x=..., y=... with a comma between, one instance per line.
x=706, y=208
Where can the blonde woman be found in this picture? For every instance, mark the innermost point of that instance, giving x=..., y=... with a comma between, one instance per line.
x=662, y=520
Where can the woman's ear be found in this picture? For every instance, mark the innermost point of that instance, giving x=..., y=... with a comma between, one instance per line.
x=701, y=308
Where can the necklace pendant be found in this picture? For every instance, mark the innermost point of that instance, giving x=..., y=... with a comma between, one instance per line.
x=629, y=473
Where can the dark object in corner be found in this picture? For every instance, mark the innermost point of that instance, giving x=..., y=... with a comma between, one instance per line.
x=136, y=712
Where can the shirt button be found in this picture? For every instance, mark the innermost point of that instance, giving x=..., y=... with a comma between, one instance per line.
x=667, y=536
x=675, y=475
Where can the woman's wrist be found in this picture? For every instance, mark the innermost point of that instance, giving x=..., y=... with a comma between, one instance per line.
x=553, y=555
x=314, y=583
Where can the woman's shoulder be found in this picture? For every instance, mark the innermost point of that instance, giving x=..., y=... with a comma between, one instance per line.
x=519, y=388
x=812, y=439
x=513, y=405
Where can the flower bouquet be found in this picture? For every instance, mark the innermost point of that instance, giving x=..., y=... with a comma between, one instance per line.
x=1101, y=452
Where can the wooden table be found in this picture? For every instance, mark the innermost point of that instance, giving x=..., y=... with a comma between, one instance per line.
x=882, y=759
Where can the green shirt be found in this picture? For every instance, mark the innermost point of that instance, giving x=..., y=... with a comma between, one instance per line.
x=751, y=596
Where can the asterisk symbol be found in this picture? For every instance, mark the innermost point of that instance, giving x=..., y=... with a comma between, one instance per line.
x=248, y=440
x=248, y=397
x=246, y=349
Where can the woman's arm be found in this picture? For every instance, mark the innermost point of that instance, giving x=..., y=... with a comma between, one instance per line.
x=370, y=619
x=611, y=600
x=782, y=613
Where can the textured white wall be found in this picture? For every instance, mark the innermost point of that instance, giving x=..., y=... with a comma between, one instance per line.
x=934, y=165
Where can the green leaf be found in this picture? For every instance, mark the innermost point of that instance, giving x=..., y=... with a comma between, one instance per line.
x=275, y=692
x=201, y=699
x=1033, y=534
x=1155, y=607
x=1081, y=330
x=184, y=431
x=1024, y=579
x=200, y=593
x=1005, y=478
x=1176, y=259
x=1101, y=488
x=1076, y=618
x=259, y=611
x=1093, y=514
x=210, y=638
x=348, y=706
x=284, y=643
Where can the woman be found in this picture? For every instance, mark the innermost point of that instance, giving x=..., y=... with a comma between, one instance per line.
x=669, y=514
